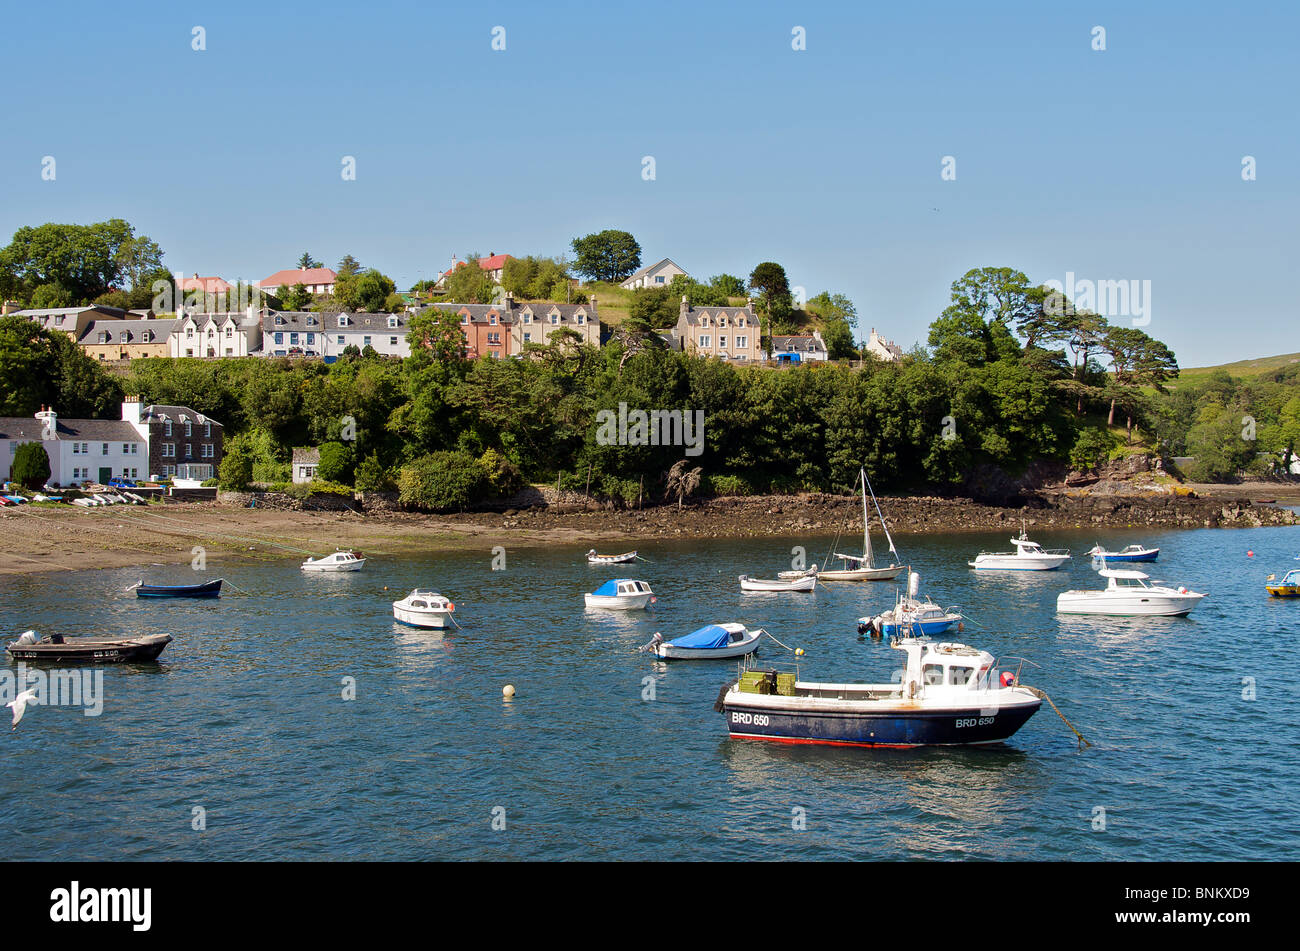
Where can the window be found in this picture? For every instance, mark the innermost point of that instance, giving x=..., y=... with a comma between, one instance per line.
x=76, y=448
x=494, y=338
x=932, y=673
x=464, y=318
x=230, y=331
x=582, y=318
x=188, y=452
x=740, y=321
x=492, y=320
x=365, y=342
x=528, y=338
x=207, y=428
x=311, y=338
x=169, y=450
x=279, y=338
x=722, y=321
x=134, y=473
x=659, y=279
x=340, y=339
x=704, y=321
x=704, y=340
x=960, y=675
x=104, y=452
x=279, y=321
x=392, y=322
x=343, y=320
x=189, y=331
x=392, y=341
x=167, y=427
x=293, y=340
x=189, y=430
x=528, y=318
x=722, y=342
x=206, y=452
x=555, y=319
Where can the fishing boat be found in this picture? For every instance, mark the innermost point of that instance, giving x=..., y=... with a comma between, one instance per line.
x=864, y=568
x=424, y=609
x=621, y=594
x=88, y=650
x=1128, y=553
x=950, y=694
x=1288, y=587
x=804, y=583
x=1129, y=595
x=208, y=589
x=335, y=561
x=712, y=642
x=910, y=615
x=1028, y=556
x=595, y=559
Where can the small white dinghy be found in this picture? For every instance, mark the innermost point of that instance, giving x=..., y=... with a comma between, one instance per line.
x=712, y=642
x=335, y=561
x=595, y=559
x=621, y=594
x=810, y=572
x=806, y=583
x=424, y=609
x=1129, y=595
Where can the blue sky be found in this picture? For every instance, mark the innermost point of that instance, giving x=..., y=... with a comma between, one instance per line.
x=1115, y=165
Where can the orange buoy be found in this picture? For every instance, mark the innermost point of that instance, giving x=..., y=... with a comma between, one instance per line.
x=1250, y=554
x=450, y=606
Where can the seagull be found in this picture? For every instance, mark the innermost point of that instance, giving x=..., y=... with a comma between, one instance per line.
x=19, y=704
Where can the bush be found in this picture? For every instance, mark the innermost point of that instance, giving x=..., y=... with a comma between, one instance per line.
x=31, y=465
x=1092, y=448
x=336, y=462
x=236, y=471
x=728, y=485
x=442, y=480
x=371, y=476
x=502, y=475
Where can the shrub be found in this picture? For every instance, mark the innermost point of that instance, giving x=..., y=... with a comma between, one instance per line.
x=336, y=462
x=502, y=475
x=442, y=480
x=371, y=476
x=236, y=471
x=1092, y=448
x=725, y=484
x=31, y=465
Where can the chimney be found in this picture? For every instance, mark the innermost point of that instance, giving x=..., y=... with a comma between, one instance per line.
x=132, y=409
x=10, y=307
x=49, y=422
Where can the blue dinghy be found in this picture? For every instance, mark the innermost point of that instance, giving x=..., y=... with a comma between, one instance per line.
x=209, y=589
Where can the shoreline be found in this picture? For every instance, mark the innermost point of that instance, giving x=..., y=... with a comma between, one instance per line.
x=63, y=538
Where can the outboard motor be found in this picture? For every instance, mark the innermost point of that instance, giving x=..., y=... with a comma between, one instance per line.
x=27, y=638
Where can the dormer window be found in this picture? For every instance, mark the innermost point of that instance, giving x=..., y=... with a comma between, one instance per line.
x=464, y=318
x=167, y=427
x=555, y=319
x=722, y=321
x=392, y=322
x=580, y=317
x=343, y=320
x=279, y=321
x=492, y=320
x=528, y=317
x=704, y=321
x=740, y=321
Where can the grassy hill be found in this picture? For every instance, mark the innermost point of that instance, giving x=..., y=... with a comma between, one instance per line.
x=1242, y=368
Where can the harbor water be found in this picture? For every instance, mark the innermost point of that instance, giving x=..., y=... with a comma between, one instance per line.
x=294, y=719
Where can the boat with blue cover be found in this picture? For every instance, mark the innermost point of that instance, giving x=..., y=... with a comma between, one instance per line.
x=711, y=642
x=1127, y=553
x=621, y=594
x=949, y=694
x=208, y=589
x=911, y=616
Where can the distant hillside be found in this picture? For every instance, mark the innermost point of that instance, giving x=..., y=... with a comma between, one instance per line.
x=1242, y=368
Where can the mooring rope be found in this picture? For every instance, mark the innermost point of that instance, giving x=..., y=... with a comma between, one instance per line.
x=1043, y=695
x=773, y=636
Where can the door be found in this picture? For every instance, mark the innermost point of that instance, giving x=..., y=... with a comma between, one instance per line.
x=105, y=473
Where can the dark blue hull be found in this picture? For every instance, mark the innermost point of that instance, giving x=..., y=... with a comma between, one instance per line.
x=209, y=589
x=1144, y=556
x=885, y=729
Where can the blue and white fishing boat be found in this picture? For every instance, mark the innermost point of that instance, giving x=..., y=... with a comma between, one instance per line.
x=711, y=642
x=621, y=594
x=1128, y=553
x=911, y=616
x=208, y=589
x=950, y=695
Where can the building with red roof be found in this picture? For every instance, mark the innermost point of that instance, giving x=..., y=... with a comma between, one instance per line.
x=494, y=264
x=317, y=280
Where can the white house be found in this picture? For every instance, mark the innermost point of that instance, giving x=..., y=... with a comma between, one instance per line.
x=656, y=275
x=799, y=349
x=305, y=464
x=317, y=280
x=886, y=350
x=79, y=450
x=216, y=335
x=384, y=333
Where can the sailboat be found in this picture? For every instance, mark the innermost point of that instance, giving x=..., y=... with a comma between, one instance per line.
x=864, y=568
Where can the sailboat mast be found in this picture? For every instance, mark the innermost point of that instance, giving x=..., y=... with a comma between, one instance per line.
x=866, y=535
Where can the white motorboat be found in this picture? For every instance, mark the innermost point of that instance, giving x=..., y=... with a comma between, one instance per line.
x=713, y=642
x=1128, y=553
x=424, y=609
x=864, y=568
x=1129, y=595
x=910, y=616
x=335, y=561
x=1028, y=556
x=621, y=594
x=595, y=559
x=805, y=583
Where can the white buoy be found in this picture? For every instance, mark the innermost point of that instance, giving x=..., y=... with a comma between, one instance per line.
x=508, y=691
x=798, y=652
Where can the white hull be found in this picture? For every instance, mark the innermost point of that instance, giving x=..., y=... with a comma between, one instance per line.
x=863, y=574
x=619, y=602
x=335, y=566
x=1019, y=562
x=432, y=619
x=1148, y=604
x=738, y=649
x=611, y=559
x=808, y=583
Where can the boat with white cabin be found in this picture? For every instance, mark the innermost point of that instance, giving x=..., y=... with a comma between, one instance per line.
x=1128, y=594
x=336, y=561
x=426, y=609
x=711, y=642
x=949, y=694
x=621, y=594
x=1028, y=556
x=864, y=568
x=1127, y=553
x=911, y=616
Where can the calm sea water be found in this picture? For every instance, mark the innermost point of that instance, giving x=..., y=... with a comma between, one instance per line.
x=244, y=716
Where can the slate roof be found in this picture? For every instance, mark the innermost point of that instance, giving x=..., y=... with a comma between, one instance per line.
x=306, y=457
x=797, y=344
x=134, y=329
x=70, y=430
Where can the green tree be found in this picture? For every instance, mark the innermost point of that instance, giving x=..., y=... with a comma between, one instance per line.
x=236, y=471
x=441, y=481
x=296, y=298
x=728, y=285
x=437, y=330
x=607, y=255
x=1136, y=360
x=368, y=291
x=348, y=267
x=30, y=466
x=307, y=262
x=469, y=283
x=75, y=263
x=336, y=463
x=774, y=300
x=655, y=306
x=839, y=340
x=830, y=307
